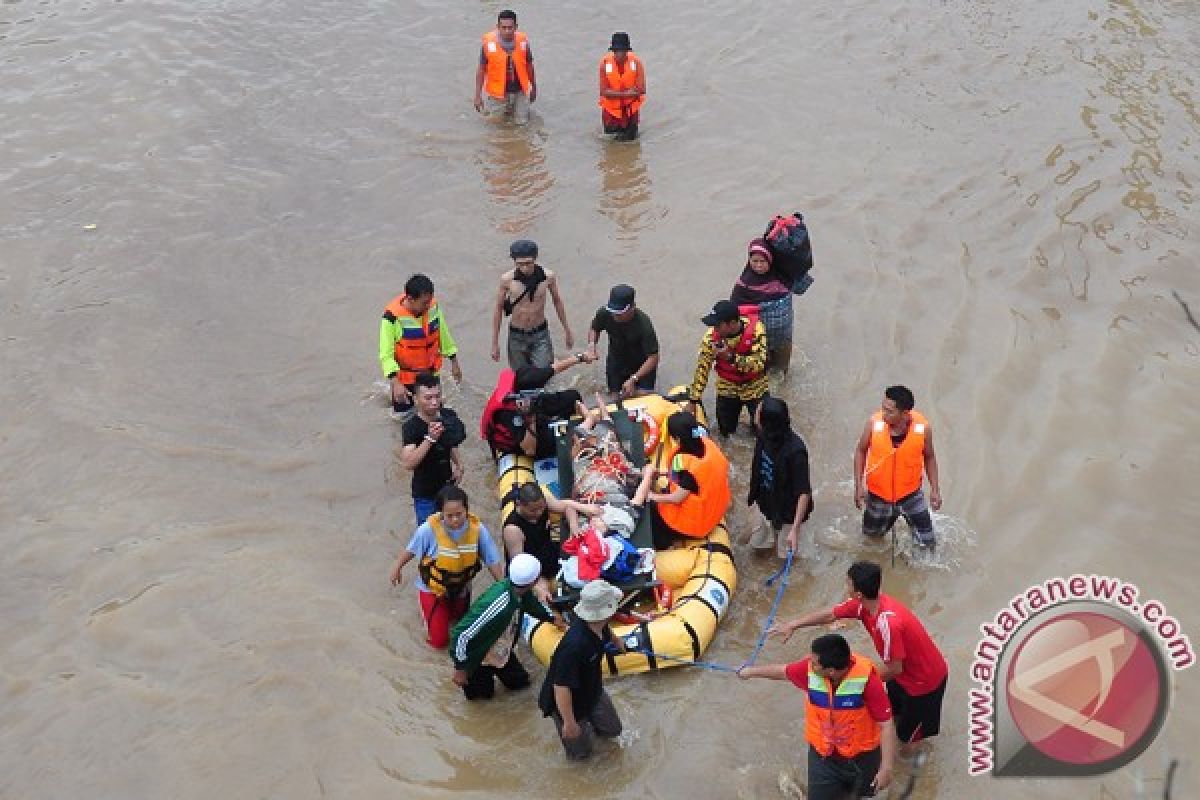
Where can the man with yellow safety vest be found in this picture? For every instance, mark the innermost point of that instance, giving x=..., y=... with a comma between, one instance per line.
x=505, y=82
x=414, y=337
x=451, y=546
x=847, y=719
x=736, y=346
x=622, y=88
x=894, y=452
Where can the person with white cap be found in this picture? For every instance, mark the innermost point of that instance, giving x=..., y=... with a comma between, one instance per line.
x=573, y=691
x=483, y=643
x=632, y=365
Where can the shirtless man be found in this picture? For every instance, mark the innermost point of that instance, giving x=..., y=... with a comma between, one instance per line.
x=522, y=294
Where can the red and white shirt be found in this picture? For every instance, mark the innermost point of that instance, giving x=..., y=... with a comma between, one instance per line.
x=900, y=636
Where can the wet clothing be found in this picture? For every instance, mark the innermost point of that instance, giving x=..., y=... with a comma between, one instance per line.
x=576, y=664
x=900, y=636
x=518, y=423
x=832, y=776
x=424, y=544
x=778, y=477
x=743, y=379
x=434, y=471
x=530, y=347
x=772, y=295
x=603, y=721
x=538, y=542
x=917, y=717
x=481, y=682
x=496, y=611
x=409, y=344
x=879, y=516
x=497, y=56
x=630, y=343
x=440, y=614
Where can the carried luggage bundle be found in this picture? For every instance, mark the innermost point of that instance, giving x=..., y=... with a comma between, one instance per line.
x=791, y=250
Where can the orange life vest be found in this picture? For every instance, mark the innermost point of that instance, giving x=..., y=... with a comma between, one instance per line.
x=701, y=510
x=418, y=339
x=895, y=472
x=622, y=81
x=745, y=344
x=838, y=719
x=495, y=82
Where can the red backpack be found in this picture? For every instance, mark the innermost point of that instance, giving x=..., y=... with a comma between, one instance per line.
x=502, y=438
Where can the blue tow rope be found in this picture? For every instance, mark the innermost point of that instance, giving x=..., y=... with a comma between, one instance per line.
x=783, y=572
x=714, y=666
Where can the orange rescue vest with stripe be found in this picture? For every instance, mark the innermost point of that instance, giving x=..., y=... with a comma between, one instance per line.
x=745, y=344
x=702, y=509
x=622, y=81
x=838, y=719
x=450, y=572
x=495, y=81
x=896, y=472
x=418, y=340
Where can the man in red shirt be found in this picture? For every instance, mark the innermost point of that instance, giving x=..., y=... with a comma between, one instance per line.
x=847, y=719
x=913, y=668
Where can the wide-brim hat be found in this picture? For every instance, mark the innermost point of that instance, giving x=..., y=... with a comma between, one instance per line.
x=598, y=601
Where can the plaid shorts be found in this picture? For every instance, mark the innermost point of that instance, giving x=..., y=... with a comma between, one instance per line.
x=777, y=317
x=879, y=516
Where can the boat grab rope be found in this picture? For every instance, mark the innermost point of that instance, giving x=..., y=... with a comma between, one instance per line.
x=783, y=572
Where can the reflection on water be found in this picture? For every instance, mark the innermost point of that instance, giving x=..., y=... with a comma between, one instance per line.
x=512, y=163
x=625, y=188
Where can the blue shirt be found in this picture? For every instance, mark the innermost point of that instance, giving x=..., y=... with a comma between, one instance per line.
x=424, y=543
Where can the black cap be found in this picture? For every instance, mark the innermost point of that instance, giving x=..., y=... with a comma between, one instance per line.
x=620, y=299
x=620, y=41
x=722, y=311
x=523, y=248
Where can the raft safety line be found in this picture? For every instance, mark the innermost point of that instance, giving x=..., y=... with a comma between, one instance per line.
x=689, y=662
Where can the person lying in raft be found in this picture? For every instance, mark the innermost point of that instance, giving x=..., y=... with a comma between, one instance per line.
x=603, y=471
x=697, y=493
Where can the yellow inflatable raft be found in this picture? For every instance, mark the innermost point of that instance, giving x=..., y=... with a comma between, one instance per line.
x=699, y=574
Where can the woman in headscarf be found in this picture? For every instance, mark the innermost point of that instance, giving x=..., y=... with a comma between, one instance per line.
x=779, y=480
x=762, y=287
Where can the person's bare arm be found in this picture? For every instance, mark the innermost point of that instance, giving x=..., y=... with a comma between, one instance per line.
x=562, y=701
x=891, y=669
x=498, y=315
x=931, y=470
x=480, y=74
x=560, y=309
x=786, y=629
x=774, y=672
x=860, y=464
x=887, y=742
x=532, y=82
x=404, y=557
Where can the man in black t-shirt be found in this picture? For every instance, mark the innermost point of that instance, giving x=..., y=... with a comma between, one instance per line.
x=431, y=438
x=573, y=691
x=632, y=366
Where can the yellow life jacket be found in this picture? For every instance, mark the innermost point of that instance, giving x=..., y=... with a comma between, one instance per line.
x=450, y=572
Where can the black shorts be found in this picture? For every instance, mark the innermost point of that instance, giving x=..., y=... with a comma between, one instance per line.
x=917, y=717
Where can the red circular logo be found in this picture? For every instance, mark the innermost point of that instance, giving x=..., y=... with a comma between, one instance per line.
x=1084, y=688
